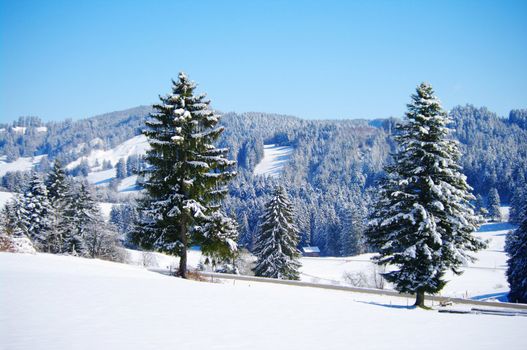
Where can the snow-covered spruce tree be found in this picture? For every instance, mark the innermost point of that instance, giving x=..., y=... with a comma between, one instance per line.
x=479, y=206
x=34, y=213
x=186, y=179
x=423, y=223
x=352, y=235
x=516, y=248
x=518, y=200
x=12, y=237
x=276, y=242
x=82, y=212
x=120, y=169
x=57, y=194
x=493, y=205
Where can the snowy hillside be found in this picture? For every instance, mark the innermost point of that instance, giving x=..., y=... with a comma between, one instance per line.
x=103, y=178
x=21, y=164
x=274, y=160
x=135, y=146
x=103, y=305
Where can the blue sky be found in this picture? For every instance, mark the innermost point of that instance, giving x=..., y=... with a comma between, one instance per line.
x=324, y=59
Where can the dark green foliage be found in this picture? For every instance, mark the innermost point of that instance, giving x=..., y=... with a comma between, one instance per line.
x=120, y=169
x=423, y=223
x=276, y=244
x=493, y=205
x=187, y=177
x=516, y=248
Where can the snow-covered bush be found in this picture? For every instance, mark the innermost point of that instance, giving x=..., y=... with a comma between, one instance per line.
x=16, y=245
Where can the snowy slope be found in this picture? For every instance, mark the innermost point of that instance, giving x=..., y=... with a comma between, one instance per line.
x=61, y=302
x=128, y=184
x=21, y=164
x=103, y=178
x=135, y=146
x=274, y=160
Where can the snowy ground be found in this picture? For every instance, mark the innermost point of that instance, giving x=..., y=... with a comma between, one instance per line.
x=21, y=164
x=274, y=160
x=104, y=177
x=135, y=146
x=482, y=280
x=60, y=302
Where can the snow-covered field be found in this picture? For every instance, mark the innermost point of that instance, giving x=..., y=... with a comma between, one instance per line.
x=483, y=279
x=274, y=160
x=60, y=302
x=104, y=177
x=135, y=146
x=21, y=164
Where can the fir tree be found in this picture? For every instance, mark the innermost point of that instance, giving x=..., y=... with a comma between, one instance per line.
x=519, y=198
x=57, y=194
x=83, y=213
x=123, y=217
x=516, y=248
x=9, y=219
x=12, y=237
x=34, y=214
x=120, y=169
x=423, y=223
x=186, y=179
x=480, y=206
x=276, y=242
x=493, y=205
x=353, y=240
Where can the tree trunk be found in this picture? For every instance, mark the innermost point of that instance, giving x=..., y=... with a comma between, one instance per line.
x=420, y=299
x=183, y=256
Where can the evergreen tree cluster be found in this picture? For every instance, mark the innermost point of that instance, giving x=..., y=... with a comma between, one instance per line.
x=59, y=215
x=331, y=159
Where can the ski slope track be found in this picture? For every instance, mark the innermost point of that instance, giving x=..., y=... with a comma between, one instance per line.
x=274, y=160
x=62, y=302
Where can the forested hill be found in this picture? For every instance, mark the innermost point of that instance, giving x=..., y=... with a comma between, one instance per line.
x=331, y=172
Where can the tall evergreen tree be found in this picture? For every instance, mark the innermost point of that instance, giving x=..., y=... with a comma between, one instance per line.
x=480, y=206
x=120, y=169
x=493, y=205
x=519, y=198
x=276, y=242
x=187, y=177
x=84, y=214
x=516, y=248
x=57, y=194
x=353, y=240
x=423, y=223
x=34, y=213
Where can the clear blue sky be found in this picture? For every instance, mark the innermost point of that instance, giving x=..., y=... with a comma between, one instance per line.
x=324, y=59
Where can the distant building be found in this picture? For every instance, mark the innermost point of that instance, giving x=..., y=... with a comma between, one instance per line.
x=310, y=251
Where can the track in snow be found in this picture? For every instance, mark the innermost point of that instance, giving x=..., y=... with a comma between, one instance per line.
x=274, y=160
